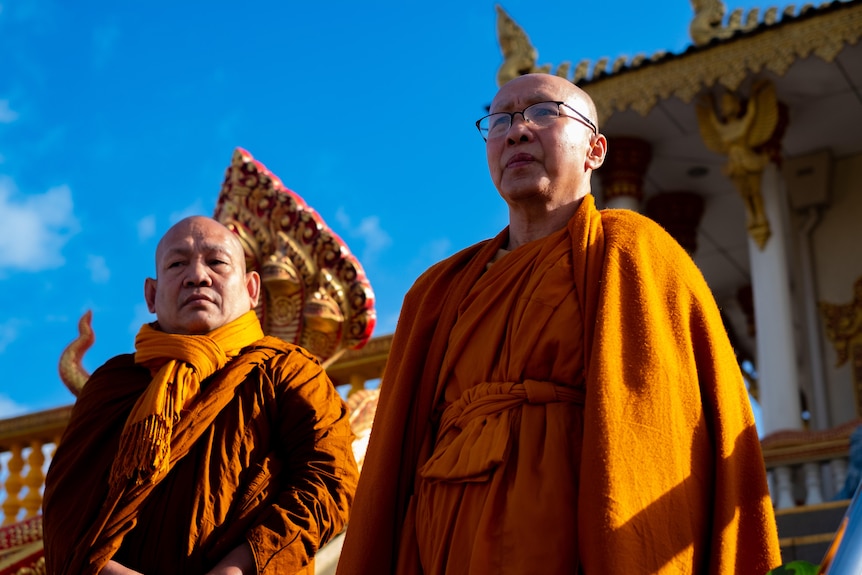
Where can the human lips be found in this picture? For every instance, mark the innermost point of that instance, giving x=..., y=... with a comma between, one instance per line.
x=520, y=159
x=197, y=298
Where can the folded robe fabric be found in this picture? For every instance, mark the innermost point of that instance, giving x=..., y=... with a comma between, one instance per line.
x=263, y=455
x=672, y=479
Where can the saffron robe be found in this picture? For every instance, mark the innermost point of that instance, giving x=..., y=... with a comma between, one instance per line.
x=263, y=455
x=650, y=422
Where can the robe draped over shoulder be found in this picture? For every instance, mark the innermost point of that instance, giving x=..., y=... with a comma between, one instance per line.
x=665, y=464
x=263, y=456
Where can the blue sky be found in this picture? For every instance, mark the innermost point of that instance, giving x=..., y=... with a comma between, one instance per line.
x=118, y=119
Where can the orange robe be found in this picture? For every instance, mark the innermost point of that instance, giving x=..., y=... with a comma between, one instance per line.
x=264, y=456
x=576, y=406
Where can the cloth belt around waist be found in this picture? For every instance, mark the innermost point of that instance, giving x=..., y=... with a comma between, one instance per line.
x=483, y=414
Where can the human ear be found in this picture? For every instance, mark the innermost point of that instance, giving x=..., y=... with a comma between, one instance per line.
x=596, y=152
x=252, y=284
x=150, y=294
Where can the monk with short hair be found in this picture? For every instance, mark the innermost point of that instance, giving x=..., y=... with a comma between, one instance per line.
x=213, y=448
x=562, y=398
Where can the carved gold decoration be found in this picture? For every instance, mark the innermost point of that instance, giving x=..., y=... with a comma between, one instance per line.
x=362, y=405
x=646, y=81
x=315, y=292
x=737, y=131
x=706, y=25
x=519, y=56
x=72, y=372
x=843, y=323
x=843, y=326
x=21, y=550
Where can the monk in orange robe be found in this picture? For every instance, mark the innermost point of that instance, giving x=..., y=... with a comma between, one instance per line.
x=212, y=449
x=562, y=398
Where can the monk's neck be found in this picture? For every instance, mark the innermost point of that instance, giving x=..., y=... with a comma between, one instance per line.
x=527, y=226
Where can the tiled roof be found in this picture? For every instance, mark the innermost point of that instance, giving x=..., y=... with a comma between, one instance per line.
x=724, y=52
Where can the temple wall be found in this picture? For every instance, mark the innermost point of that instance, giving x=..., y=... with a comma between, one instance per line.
x=837, y=246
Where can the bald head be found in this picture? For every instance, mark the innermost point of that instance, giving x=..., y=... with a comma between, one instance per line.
x=200, y=225
x=539, y=86
x=201, y=280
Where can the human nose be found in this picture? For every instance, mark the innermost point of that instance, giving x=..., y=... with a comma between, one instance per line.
x=519, y=131
x=197, y=274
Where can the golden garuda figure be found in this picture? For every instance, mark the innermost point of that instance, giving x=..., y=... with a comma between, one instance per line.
x=740, y=132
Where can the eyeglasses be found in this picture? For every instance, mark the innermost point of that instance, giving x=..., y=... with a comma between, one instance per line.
x=541, y=114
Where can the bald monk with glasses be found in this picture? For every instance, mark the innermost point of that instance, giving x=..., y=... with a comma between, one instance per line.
x=563, y=397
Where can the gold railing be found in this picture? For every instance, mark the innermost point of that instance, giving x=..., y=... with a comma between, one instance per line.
x=804, y=467
x=24, y=441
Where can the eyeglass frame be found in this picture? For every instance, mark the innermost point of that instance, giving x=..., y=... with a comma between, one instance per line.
x=581, y=117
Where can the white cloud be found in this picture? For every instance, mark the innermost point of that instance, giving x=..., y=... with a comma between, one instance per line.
x=376, y=239
x=8, y=333
x=9, y=408
x=7, y=114
x=146, y=228
x=34, y=228
x=369, y=231
x=99, y=272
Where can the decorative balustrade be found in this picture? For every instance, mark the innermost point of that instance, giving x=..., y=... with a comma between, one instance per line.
x=24, y=441
x=807, y=467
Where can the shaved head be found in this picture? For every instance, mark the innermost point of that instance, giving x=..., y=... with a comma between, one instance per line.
x=201, y=280
x=568, y=93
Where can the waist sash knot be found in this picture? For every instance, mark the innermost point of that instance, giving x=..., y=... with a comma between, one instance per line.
x=475, y=430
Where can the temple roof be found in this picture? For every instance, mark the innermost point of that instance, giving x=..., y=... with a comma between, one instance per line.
x=723, y=52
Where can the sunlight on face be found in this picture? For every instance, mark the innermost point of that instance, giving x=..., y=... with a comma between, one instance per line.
x=201, y=283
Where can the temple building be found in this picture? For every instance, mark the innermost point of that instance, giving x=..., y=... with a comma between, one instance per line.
x=744, y=148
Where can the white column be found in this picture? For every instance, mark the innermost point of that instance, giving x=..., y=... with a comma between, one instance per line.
x=773, y=314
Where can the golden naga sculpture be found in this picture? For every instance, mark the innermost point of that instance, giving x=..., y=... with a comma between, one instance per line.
x=519, y=56
x=740, y=132
x=315, y=292
x=72, y=373
x=706, y=25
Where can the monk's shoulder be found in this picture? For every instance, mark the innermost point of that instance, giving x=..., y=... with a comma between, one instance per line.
x=284, y=355
x=627, y=231
x=628, y=225
x=640, y=245
x=118, y=372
